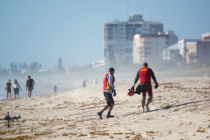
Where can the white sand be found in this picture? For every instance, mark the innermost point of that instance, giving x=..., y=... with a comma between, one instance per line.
x=180, y=110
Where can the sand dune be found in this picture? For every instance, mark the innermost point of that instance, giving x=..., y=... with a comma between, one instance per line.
x=180, y=110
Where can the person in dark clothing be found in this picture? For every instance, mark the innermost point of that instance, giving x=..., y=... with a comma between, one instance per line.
x=8, y=88
x=145, y=74
x=30, y=86
x=55, y=89
x=83, y=83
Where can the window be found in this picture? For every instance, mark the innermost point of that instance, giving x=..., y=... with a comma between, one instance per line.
x=138, y=26
x=147, y=53
x=109, y=46
x=128, y=50
x=147, y=48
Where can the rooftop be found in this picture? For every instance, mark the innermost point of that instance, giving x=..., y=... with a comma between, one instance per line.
x=199, y=42
x=152, y=35
x=174, y=47
x=206, y=34
x=190, y=39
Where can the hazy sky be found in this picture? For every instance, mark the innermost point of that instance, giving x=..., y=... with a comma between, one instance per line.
x=44, y=30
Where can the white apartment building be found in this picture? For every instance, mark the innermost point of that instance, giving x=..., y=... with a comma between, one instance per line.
x=98, y=64
x=118, y=37
x=149, y=48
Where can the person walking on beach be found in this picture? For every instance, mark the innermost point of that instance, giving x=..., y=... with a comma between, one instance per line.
x=55, y=89
x=8, y=89
x=95, y=82
x=30, y=86
x=16, y=87
x=108, y=89
x=145, y=74
x=83, y=83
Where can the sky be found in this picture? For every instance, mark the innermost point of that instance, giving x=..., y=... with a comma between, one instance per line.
x=42, y=31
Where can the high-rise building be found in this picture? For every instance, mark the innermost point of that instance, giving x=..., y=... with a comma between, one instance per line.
x=118, y=37
x=149, y=47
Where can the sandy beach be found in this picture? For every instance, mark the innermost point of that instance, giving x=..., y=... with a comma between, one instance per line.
x=180, y=110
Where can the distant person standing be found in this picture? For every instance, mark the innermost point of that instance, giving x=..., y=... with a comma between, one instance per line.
x=55, y=89
x=16, y=87
x=95, y=82
x=8, y=88
x=30, y=86
x=83, y=83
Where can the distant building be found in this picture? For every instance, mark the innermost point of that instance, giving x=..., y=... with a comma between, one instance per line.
x=198, y=51
x=43, y=70
x=98, y=64
x=206, y=36
x=118, y=37
x=182, y=46
x=149, y=47
x=171, y=52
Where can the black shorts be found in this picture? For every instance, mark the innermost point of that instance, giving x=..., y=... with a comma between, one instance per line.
x=30, y=89
x=109, y=98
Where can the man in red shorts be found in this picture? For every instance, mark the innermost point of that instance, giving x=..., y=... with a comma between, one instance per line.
x=145, y=74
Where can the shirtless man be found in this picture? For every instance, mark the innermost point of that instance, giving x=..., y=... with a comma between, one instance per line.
x=145, y=74
x=30, y=86
x=8, y=89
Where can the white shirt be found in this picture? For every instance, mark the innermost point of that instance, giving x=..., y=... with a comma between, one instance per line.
x=94, y=82
x=16, y=85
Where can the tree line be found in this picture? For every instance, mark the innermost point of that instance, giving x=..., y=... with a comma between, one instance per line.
x=15, y=67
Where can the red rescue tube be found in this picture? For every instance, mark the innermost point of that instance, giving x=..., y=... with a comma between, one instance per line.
x=131, y=92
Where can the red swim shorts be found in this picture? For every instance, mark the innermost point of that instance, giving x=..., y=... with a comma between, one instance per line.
x=149, y=90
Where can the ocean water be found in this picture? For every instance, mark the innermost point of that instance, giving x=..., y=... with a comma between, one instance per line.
x=44, y=84
x=38, y=90
x=24, y=93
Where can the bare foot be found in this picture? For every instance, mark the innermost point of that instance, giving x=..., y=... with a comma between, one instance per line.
x=147, y=108
x=143, y=110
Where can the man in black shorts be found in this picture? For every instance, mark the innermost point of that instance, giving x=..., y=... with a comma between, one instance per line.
x=108, y=87
x=8, y=89
x=29, y=85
